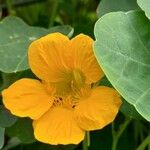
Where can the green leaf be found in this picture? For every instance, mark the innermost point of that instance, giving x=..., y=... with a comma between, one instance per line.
x=145, y=6
x=16, y=38
x=6, y=118
x=2, y=132
x=122, y=49
x=23, y=130
x=12, y=142
x=130, y=111
x=106, y=6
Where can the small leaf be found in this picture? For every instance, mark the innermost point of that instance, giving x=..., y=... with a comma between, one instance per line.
x=122, y=48
x=2, y=132
x=17, y=36
x=145, y=6
x=6, y=118
x=23, y=130
x=11, y=143
x=106, y=6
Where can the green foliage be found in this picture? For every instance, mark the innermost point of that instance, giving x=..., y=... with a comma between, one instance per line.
x=125, y=58
x=145, y=6
x=129, y=110
x=121, y=48
x=0, y=13
x=106, y=6
x=6, y=118
x=2, y=131
x=23, y=130
x=17, y=36
x=101, y=139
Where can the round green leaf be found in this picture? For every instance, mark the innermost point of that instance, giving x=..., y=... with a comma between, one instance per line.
x=2, y=132
x=16, y=37
x=122, y=48
x=23, y=130
x=145, y=6
x=106, y=6
x=6, y=118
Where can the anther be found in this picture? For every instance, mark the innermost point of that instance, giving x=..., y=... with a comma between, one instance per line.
x=60, y=98
x=73, y=106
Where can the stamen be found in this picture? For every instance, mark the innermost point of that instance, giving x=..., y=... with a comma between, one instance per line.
x=68, y=102
x=73, y=106
x=60, y=98
x=57, y=101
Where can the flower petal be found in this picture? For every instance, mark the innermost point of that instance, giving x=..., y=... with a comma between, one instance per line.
x=84, y=59
x=58, y=126
x=99, y=109
x=48, y=55
x=27, y=98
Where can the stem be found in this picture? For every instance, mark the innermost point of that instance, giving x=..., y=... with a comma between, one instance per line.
x=9, y=4
x=54, y=11
x=116, y=134
x=144, y=143
x=86, y=142
x=0, y=12
x=74, y=4
x=88, y=138
x=149, y=146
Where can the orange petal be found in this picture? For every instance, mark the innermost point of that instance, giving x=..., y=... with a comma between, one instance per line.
x=48, y=56
x=58, y=126
x=84, y=59
x=27, y=98
x=99, y=109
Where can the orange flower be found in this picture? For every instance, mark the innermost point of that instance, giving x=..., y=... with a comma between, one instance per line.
x=63, y=104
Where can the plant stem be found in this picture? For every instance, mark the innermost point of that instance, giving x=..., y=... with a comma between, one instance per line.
x=144, y=143
x=116, y=134
x=86, y=142
x=53, y=13
x=10, y=7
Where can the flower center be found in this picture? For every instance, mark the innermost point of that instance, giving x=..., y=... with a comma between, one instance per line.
x=67, y=102
x=69, y=82
x=71, y=100
x=68, y=87
x=78, y=79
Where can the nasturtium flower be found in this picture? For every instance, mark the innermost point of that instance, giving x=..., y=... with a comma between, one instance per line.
x=64, y=103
